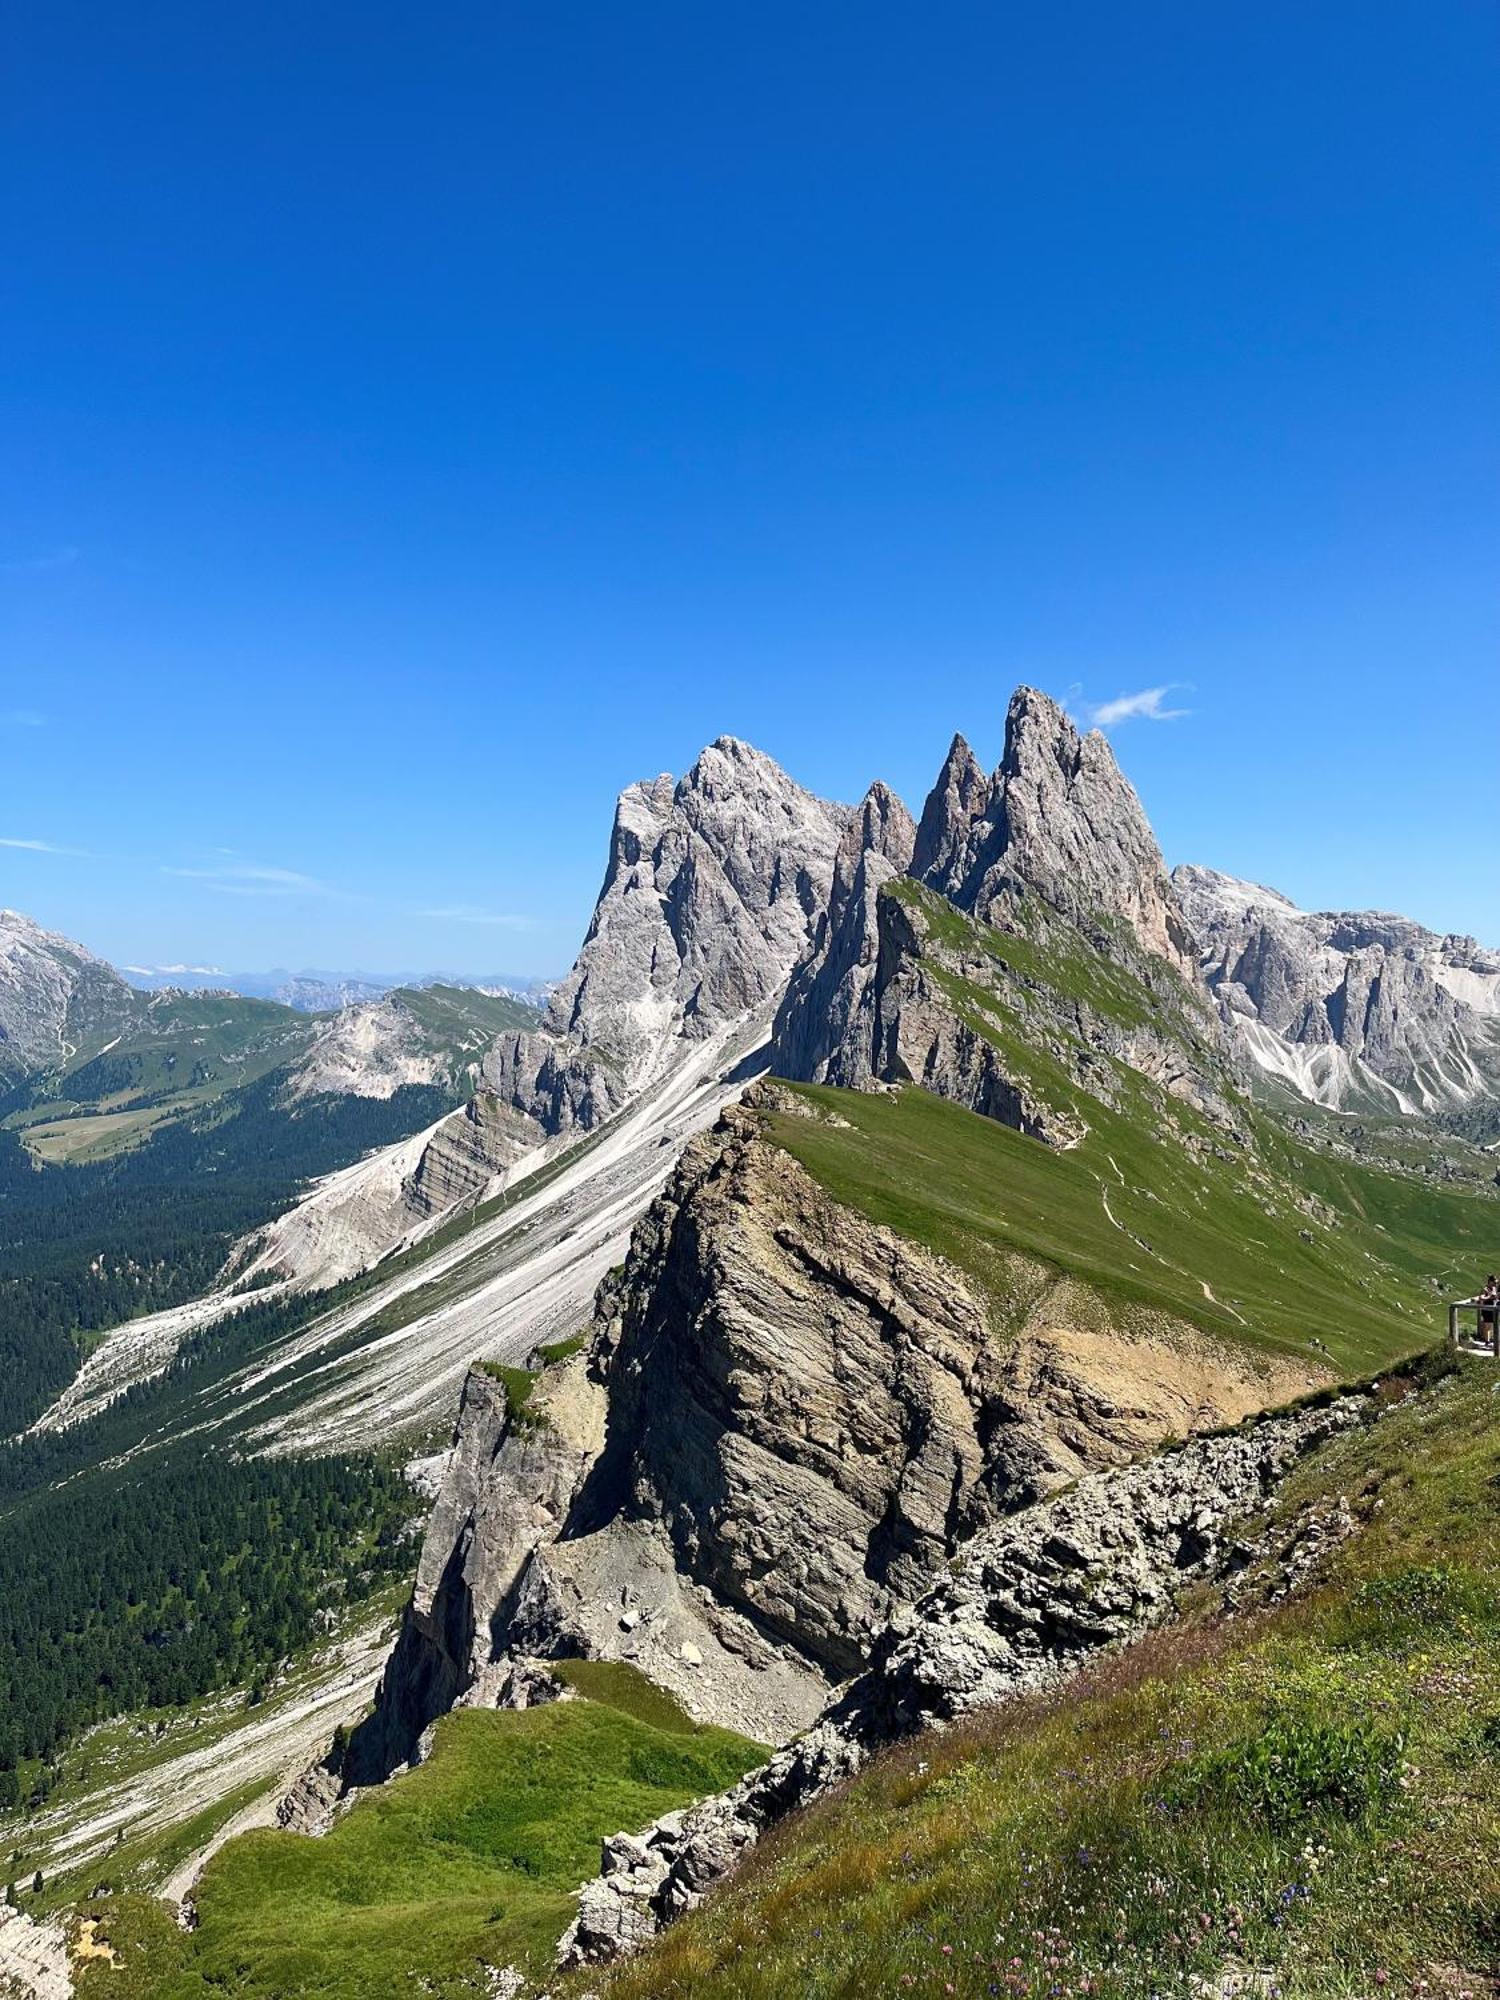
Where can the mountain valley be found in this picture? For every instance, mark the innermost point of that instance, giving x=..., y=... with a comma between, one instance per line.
x=872, y=1183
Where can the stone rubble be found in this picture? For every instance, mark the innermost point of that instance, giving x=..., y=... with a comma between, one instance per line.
x=1030, y=1601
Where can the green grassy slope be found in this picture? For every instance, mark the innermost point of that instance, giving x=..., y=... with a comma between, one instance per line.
x=1313, y=1790
x=179, y=1052
x=1147, y=1225
x=1256, y=1227
x=467, y=1862
x=449, y=1013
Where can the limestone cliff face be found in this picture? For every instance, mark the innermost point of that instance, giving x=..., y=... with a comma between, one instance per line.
x=461, y=1159
x=960, y=1010
x=713, y=891
x=1032, y=878
x=1058, y=820
x=508, y=1486
x=828, y=1013
x=1358, y=1009
x=785, y=1423
x=54, y=995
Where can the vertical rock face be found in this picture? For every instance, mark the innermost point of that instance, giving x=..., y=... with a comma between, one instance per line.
x=786, y=1421
x=955, y=805
x=1053, y=853
x=1062, y=822
x=827, y=1016
x=712, y=893
x=1357, y=1009
x=508, y=1487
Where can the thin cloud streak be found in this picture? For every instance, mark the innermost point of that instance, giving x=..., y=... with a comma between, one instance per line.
x=48, y=559
x=1145, y=706
x=250, y=879
x=22, y=718
x=46, y=847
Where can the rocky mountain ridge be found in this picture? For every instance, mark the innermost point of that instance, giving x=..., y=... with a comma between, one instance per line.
x=711, y=891
x=54, y=995
x=786, y=1417
x=1356, y=1010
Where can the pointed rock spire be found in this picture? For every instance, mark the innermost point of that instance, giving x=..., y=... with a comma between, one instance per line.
x=826, y=1022
x=1064, y=822
x=955, y=804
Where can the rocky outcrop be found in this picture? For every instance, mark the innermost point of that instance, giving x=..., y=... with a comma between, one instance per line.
x=785, y=1422
x=992, y=979
x=54, y=997
x=460, y=1162
x=712, y=894
x=826, y=1023
x=509, y=1486
x=1059, y=820
x=1355, y=1010
x=955, y=805
x=34, y=1958
x=1030, y=1601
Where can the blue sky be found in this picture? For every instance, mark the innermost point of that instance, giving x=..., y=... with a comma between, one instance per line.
x=420, y=422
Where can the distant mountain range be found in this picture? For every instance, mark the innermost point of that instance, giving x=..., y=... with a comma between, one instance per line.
x=316, y=991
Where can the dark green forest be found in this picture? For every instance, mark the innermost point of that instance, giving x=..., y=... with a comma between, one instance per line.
x=83, y=1248
x=145, y=1586
x=139, y=1567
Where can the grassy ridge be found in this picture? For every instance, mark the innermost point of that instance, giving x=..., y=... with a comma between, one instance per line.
x=467, y=1862
x=1314, y=1790
x=1148, y=1225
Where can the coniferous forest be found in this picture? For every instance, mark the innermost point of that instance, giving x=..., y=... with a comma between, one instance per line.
x=149, y=1587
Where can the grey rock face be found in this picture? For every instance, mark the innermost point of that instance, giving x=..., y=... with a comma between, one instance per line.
x=507, y=1487
x=54, y=995
x=1030, y=1601
x=464, y=1154
x=1060, y=821
x=955, y=805
x=785, y=1423
x=1056, y=837
x=713, y=891
x=1358, y=1009
x=828, y=1013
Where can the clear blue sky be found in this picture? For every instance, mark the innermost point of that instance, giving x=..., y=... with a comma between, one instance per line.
x=419, y=422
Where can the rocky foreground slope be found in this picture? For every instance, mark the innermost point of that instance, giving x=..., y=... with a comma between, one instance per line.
x=1029, y=1602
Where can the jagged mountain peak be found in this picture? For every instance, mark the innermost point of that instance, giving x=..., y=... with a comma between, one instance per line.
x=53, y=992
x=1058, y=819
x=957, y=800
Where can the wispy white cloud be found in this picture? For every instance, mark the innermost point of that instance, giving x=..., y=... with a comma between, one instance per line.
x=43, y=847
x=1145, y=706
x=21, y=718
x=248, y=878
x=45, y=559
x=468, y=913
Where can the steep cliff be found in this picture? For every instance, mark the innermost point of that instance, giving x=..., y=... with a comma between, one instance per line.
x=54, y=997
x=795, y=1416
x=712, y=893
